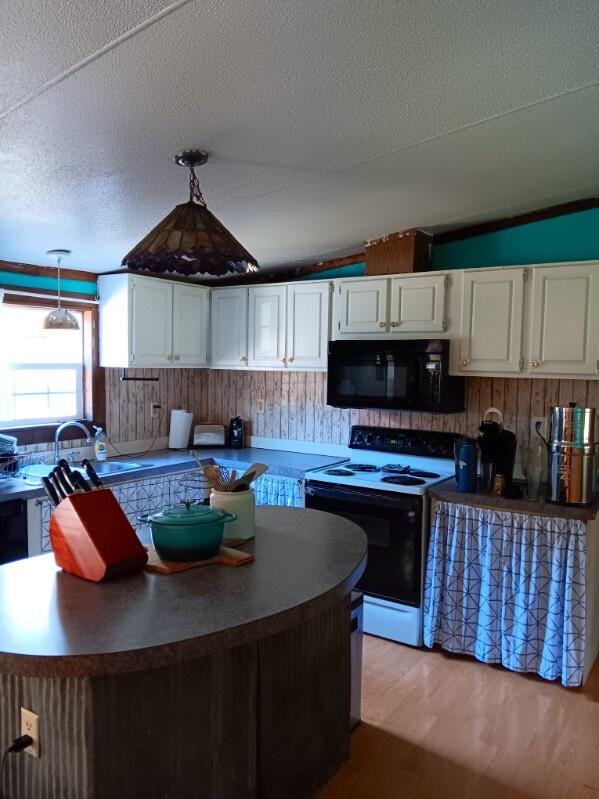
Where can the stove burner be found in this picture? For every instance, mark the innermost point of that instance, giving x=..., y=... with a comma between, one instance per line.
x=396, y=468
x=403, y=480
x=362, y=467
x=420, y=473
x=340, y=472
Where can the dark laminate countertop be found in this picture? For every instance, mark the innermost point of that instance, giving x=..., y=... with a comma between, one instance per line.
x=448, y=492
x=54, y=624
x=279, y=462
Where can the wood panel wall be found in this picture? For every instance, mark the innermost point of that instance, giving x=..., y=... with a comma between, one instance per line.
x=295, y=404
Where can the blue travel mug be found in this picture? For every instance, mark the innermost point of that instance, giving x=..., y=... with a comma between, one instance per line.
x=466, y=463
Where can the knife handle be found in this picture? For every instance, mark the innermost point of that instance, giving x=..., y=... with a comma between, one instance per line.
x=50, y=490
x=91, y=473
x=61, y=479
x=56, y=486
x=80, y=482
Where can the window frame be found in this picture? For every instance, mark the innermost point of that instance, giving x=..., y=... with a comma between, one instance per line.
x=94, y=380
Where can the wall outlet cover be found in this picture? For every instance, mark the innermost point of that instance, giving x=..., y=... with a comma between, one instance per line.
x=260, y=406
x=30, y=725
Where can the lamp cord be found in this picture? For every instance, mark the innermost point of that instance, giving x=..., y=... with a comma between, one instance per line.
x=18, y=745
x=4, y=756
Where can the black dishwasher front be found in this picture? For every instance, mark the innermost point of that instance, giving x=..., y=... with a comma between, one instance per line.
x=13, y=530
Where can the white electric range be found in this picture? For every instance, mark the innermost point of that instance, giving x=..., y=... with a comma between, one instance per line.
x=382, y=486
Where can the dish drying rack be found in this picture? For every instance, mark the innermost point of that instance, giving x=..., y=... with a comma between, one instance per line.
x=14, y=464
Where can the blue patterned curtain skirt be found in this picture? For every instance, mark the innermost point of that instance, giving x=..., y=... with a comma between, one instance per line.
x=508, y=588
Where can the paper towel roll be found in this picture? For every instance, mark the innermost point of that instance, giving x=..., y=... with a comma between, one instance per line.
x=180, y=429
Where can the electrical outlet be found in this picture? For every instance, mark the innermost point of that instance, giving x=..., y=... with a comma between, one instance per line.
x=542, y=420
x=30, y=725
x=154, y=409
x=260, y=406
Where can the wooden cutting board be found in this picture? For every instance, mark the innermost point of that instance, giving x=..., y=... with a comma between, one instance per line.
x=225, y=556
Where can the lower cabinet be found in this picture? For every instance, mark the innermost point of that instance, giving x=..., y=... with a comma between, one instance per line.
x=513, y=588
x=140, y=497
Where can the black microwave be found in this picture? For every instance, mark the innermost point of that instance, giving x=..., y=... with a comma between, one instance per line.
x=407, y=374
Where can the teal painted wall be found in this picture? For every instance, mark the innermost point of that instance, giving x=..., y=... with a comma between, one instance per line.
x=573, y=237
x=49, y=283
x=350, y=270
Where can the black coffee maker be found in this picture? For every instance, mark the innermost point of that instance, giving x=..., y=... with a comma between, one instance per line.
x=236, y=435
x=497, y=455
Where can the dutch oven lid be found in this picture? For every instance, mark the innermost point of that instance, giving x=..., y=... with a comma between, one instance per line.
x=187, y=513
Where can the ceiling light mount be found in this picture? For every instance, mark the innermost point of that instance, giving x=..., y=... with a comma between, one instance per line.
x=190, y=240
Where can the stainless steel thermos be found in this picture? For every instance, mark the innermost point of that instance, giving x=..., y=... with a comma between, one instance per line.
x=571, y=453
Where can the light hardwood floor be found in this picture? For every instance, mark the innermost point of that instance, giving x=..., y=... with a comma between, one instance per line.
x=439, y=726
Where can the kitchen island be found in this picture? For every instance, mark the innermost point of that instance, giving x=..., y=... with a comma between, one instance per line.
x=214, y=682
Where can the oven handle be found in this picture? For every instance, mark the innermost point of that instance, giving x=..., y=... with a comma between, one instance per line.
x=365, y=497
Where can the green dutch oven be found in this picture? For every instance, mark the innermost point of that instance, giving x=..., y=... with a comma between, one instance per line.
x=189, y=532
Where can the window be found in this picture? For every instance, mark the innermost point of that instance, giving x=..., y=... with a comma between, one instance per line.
x=41, y=371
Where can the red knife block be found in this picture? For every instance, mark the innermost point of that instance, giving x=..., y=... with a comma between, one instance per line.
x=92, y=538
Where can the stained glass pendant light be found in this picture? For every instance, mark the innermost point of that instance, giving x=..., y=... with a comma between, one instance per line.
x=190, y=239
x=60, y=318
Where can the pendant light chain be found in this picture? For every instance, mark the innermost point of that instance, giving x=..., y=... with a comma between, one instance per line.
x=195, y=193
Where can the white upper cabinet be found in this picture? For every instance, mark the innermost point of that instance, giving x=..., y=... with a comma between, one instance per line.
x=148, y=322
x=190, y=324
x=491, y=321
x=361, y=306
x=417, y=304
x=267, y=326
x=151, y=314
x=229, y=342
x=564, y=332
x=307, y=325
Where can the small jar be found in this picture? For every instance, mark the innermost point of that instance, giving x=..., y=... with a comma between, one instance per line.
x=243, y=505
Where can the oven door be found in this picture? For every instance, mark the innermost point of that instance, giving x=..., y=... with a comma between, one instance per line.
x=393, y=525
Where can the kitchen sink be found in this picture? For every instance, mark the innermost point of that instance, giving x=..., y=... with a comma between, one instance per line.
x=106, y=467
x=35, y=472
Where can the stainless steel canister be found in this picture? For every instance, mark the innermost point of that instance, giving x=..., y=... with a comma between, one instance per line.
x=571, y=452
x=571, y=474
x=572, y=426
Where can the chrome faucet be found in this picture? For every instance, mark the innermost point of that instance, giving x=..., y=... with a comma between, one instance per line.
x=64, y=426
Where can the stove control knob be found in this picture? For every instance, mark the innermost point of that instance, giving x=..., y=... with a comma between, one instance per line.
x=358, y=438
x=369, y=438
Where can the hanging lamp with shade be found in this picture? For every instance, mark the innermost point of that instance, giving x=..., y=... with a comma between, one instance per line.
x=190, y=240
x=60, y=318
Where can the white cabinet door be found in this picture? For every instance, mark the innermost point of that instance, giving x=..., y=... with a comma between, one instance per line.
x=190, y=325
x=151, y=322
x=361, y=306
x=267, y=326
x=307, y=325
x=417, y=304
x=565, y=320
x=491, y=323
x=229, y=340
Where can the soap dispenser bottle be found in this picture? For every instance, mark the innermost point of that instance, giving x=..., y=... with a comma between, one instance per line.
x=100, y=444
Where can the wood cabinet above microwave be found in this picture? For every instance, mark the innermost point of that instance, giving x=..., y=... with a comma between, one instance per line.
x=149, y=322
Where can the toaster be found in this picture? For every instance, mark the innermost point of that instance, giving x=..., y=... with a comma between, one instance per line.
x=209, y=435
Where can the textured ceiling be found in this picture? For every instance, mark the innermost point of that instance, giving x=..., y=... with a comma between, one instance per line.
x=327, y=122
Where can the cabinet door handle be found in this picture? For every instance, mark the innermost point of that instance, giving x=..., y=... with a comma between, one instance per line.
x=177, y=357
x=464, y=362
x=169, y=357
x=290, y=359
x=283, y=360
x=382, y=324
x=242, y=358
x=534, y=364
x=395, y=324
